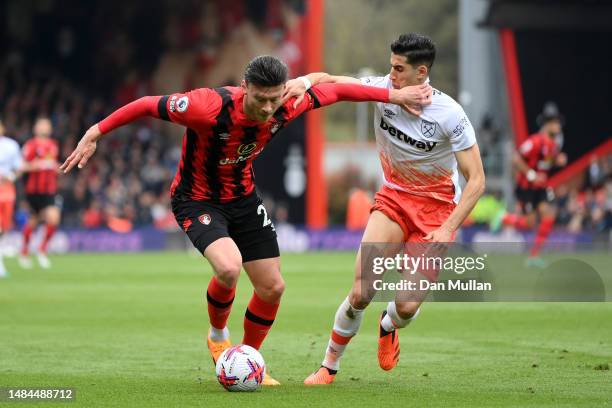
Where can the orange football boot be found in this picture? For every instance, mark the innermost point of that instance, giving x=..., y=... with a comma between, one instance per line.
x=388, y=347
x=216, y=348
x=322, y=376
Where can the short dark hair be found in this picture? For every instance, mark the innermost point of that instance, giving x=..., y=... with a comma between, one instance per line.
x=266, y=70
x=417, y=48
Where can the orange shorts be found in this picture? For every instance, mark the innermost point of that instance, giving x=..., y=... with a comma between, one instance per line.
x=416, y=215
x=7, y=203
x=6, y=215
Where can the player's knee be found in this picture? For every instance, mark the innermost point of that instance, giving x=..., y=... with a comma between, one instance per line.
x=272, y=292
x=406, y=310
x=228, y=271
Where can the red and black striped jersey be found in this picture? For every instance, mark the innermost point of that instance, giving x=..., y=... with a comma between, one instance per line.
x=539, y=152
x=220, y=142
x=45, y=152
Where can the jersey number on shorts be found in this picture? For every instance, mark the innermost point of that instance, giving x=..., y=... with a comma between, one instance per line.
x=261, y=209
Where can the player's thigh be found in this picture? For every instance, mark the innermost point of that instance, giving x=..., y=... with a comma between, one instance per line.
x=52, y=214
x=266, y=278
x=225, y=259
x=383, y=238
x=206, y=227
x=546, y=209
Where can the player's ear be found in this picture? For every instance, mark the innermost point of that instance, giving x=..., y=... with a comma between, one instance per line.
x=243, y=85
x=422, y=72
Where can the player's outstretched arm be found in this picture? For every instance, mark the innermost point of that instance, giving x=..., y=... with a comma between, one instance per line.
x=412, y=98
x=145, y=106
x=330, y=93
x=297, y=87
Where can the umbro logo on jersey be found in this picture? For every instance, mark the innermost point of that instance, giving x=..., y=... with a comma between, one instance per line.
x=401, y=136
x=389, y=114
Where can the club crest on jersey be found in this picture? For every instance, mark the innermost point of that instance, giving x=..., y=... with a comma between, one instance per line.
x=245, y=149
x=428, y=129
x=205, y=219
x=275, y=127
x=182, y=104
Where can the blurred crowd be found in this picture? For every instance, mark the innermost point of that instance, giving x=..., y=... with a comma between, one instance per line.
x=146, y=49
x=48, y=69
x=588, y=205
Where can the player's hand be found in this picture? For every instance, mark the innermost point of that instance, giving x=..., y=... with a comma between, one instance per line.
x=412, y=95
x=84, y=150
x=442, y=234
x=541, y=178
x=294, y=88
x=561, y=160
x=415, y=110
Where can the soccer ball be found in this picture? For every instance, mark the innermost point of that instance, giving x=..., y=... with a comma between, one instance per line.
x=240, y=368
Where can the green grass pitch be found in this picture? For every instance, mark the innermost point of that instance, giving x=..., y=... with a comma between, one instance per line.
x=128, y=330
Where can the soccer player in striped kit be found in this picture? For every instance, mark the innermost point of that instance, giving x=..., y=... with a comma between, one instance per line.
x=40, y=155
x=213, y=193
x=534, y=160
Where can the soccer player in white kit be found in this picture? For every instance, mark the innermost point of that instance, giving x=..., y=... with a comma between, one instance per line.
x=10, y=166
x=420, y=149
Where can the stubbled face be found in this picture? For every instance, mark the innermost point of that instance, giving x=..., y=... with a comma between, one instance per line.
x=260, y=102
x=43, y=128
x=403, y=74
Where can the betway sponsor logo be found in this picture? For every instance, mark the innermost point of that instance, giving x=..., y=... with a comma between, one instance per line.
x=401, y=136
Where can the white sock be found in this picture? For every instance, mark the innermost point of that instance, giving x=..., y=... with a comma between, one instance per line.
x=346, y=324
x=218, y=335
x=392, y=319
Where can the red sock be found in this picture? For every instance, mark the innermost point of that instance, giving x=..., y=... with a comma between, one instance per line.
x=220, y=299
x=49, y=231
x=27, y=233
x=258, y=320
x=544, y=230
x=516, y=221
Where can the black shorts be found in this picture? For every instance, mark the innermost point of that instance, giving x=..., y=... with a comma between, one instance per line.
x=245, y=221
x=530, y=198
x=39, y=202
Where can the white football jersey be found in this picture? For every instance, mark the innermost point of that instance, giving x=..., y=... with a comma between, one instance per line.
x=416, y=152
x=10, y=156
